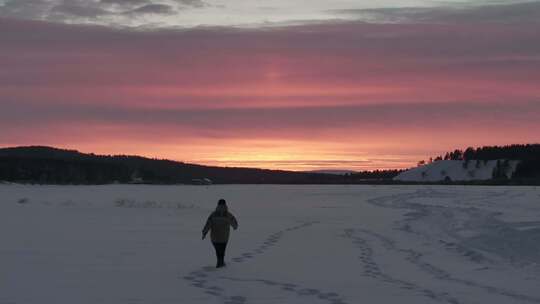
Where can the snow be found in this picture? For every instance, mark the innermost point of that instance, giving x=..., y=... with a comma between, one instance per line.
x=295, y=244
x=456, y=170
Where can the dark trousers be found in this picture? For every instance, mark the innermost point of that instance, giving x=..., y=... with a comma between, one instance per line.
x=220, y=253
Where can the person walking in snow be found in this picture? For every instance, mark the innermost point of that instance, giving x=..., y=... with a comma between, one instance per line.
x=219, y=224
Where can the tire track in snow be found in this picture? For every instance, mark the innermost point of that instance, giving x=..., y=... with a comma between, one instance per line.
x=415, y=257
x=401, y=201
x=204, y=277
x=372, y=270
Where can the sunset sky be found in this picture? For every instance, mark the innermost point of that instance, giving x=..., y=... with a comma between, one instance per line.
x=288, y=84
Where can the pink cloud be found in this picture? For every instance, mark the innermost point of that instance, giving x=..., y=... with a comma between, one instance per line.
x=376, y=89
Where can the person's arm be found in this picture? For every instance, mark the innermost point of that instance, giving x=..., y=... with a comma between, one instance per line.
x=234, y=222
x=206, y=227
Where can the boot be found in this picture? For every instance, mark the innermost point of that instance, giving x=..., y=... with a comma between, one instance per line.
x=220, y=262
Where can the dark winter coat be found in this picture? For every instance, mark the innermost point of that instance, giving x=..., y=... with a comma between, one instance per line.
x=219, y=224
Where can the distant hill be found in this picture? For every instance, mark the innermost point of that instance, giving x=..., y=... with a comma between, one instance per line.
x=512, y=164
x=47, y=165
x=459, y=170
x=515, y=164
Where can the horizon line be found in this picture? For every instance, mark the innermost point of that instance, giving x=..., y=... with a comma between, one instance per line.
x=216, y=163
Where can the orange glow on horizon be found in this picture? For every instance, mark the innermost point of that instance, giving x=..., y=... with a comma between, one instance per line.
x=264, y=154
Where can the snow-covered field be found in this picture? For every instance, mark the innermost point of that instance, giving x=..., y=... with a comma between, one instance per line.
x=295, y=244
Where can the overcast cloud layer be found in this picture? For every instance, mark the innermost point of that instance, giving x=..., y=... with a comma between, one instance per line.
x=189, y=13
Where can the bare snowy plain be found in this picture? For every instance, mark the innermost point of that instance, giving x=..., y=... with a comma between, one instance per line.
x=295, y=244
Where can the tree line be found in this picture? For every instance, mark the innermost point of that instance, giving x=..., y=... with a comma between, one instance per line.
x=46, y=165
x=528, y=168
